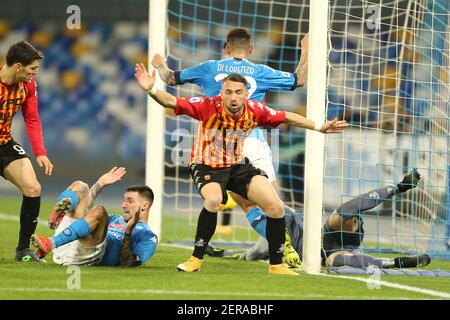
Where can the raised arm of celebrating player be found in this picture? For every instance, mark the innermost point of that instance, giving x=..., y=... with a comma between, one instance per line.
x=169, y=101
x=269, y=117
x=333, y=126
x=147, y=83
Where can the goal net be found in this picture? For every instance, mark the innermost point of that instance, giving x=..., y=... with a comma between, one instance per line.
x=388, y=76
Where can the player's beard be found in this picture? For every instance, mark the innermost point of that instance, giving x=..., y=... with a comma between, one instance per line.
x=235, y=111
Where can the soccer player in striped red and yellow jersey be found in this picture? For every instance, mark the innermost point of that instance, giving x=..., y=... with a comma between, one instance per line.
x=218, y=163
x=219, y=142
x=261, y=78
x=18, y=92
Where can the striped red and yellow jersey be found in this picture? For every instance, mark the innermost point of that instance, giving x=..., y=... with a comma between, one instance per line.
x=220, y=138
x=21, y=96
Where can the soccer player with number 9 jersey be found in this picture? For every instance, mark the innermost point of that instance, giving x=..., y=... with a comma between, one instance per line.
x=18, y=91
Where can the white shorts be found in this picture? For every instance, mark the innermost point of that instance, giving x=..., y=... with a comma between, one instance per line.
x=75, y=253
x=260, y=156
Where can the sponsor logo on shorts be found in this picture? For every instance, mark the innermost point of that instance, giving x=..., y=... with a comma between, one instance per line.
x=207, y=177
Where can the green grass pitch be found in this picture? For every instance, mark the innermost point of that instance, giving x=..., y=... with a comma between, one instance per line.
x=159, y=279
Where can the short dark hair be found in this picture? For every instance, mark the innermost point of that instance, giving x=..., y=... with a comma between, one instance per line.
x=235, y=77
x=239, y=38
x=143, y=191
x=22, y=52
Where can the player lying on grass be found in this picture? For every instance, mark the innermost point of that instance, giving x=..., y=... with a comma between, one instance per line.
x=343, y=233
x=86, y=235
x=218, y=163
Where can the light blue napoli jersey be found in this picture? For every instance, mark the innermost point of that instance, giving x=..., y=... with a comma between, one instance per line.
x=261, y=78
x=143, y=241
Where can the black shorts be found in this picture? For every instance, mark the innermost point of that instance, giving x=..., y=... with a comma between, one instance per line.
x=9, y=152
x=338, y=240
x=234, y=178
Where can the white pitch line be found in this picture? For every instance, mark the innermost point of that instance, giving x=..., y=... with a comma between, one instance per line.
x=368, y=281
x=375, y=282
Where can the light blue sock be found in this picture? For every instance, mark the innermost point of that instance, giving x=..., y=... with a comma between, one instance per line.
x=77, y=230
x=258, y=221
x=69, y=194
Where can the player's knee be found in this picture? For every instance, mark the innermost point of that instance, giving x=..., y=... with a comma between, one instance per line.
x=212, y=203
x=32, y=190
x=80, y=188
x=275, y=209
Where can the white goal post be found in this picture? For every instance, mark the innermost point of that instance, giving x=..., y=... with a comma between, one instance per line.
x=315, y=141
x=154, y=164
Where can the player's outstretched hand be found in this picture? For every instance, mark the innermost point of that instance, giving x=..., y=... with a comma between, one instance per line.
x=334, y=126
x=113, y=176
x=143, y=78
x=45, y=162
x=158, y=60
